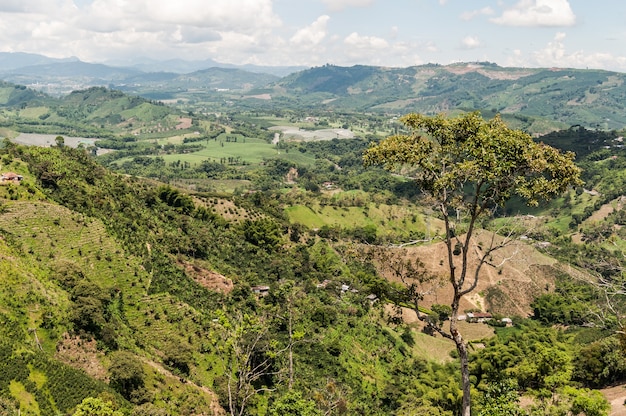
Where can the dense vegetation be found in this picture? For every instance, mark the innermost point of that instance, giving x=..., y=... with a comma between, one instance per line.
x=134, y=283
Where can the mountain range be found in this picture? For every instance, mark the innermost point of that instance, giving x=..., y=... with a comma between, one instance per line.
x=536, y=99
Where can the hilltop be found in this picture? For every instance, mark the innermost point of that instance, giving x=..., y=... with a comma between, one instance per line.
x=560, y=96
x=539, y=100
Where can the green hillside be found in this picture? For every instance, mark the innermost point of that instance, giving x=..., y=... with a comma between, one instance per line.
x=562, y=96
x=108, y=266
x=104, y=270
x=274, y=280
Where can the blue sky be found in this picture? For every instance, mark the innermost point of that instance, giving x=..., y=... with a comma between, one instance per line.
x=527, y=33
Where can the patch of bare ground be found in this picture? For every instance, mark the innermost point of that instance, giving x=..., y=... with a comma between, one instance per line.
x=489, y=73
x=82, y=354
x=260, y=96
x=512, y=277
x=183, y=123
x=607, y=209
x=616, y=396
x=208, y=278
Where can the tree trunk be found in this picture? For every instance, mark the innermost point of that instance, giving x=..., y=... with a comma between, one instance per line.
x=290, y=349
x=461, y=347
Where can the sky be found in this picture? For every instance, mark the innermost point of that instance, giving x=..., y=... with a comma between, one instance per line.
x=392, y=33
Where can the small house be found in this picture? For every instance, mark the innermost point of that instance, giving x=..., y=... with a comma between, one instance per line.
x=11, y=177
x=479, y=317
x=508, y=322
x=372, y=298
x=261, y=290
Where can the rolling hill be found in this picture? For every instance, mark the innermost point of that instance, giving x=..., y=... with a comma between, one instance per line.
x=562, y=96
x=537, y=99
x=59, y=77
x=156, y=300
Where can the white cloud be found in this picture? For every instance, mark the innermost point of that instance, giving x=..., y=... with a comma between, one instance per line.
x=470, y=42
x=555, y=54
x=531, y=13
x=312, y=34
x=116, y=29
x=355, y=40
x=358, y=49
x=485, y=11
x=190, y=34
x=338, y=5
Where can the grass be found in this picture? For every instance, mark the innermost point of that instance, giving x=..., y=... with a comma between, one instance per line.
x=390, y=220
x=28, y=404
x=33, y=112
x=225, y=186
x=247, y=150
x=440, y=349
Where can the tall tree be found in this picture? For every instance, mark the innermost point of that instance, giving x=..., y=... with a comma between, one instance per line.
x=243, y=342
x=468, y=167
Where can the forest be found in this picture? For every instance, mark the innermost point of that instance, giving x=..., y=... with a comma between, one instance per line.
x=184, y=274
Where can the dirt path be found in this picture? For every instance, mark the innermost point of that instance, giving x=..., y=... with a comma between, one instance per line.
x=616, y=396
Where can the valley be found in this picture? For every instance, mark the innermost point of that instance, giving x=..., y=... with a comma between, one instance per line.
x=233, y=252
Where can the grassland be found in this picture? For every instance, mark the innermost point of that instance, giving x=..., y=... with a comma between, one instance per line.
x=245, y=151
x=389, y=220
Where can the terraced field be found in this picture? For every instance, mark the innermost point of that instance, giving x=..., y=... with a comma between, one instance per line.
x=59, y=237
x=49, y=231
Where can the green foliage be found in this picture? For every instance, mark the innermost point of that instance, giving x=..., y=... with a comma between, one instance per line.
x=600, y=363
x=501, y=399
x=486, y=162
x=441, y=312
x=470, y=167
x=569, y=304
x=94, y=406
x=293, y=404
x=263, y=233
x=164, y=246
x=540, y=359
x=89, y=307
x=126, y=375
x=177, y=199
x=62, y=388
x=574, y=401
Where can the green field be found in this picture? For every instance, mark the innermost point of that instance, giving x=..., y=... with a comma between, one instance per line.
x=245, y=150
x=389, y=220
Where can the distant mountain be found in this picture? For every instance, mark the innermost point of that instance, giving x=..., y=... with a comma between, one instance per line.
x=16, y=95
x=93, y=112
x=569, y=96
x=178, y=66
x=181, y=66
x=13, y=60
x=60, y=77
x=163, y=86
x=537, y=99
x=226, y=78
x=70, y=69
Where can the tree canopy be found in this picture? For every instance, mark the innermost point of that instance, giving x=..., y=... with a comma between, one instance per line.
x=468, y=160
